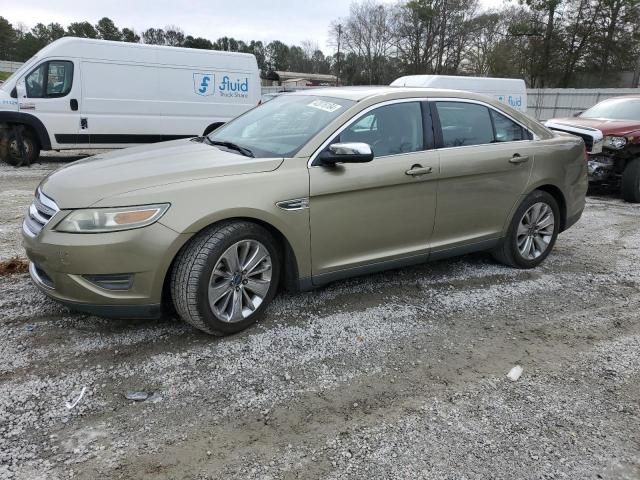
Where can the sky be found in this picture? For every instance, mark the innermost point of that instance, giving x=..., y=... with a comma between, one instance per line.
x=291, y=21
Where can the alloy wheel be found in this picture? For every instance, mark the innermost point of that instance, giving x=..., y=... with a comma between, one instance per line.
x=535, y=231
x=240, y=281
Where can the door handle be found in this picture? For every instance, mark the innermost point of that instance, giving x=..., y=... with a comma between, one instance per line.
x=418, y=170
x=73, y=103
x=517, y=158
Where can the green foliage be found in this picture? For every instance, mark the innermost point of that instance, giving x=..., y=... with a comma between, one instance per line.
x=546, y=42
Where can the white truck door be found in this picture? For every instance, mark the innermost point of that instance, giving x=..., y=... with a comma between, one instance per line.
x=50, y=91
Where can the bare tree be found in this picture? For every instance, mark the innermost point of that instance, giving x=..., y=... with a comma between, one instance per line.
x=367, y=33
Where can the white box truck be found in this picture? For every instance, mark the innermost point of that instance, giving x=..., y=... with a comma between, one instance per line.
x=511, y=91
x=84, y=93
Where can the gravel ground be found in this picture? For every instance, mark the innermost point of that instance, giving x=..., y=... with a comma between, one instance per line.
x=396, y=375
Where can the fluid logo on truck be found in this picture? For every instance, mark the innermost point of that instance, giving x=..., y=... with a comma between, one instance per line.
x=512, y=101
x=234, y=87
x=203, y=83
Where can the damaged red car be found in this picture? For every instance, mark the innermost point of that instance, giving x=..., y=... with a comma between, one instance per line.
x=611, y=132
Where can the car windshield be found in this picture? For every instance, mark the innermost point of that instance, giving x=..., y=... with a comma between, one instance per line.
x=282, y=126
x=615, y=109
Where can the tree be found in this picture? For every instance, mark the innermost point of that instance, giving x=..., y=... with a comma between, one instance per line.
x=130, y=35
x=107, y=30
x=82, y=30
x=277, y=55
x=153, y=36
x=367, y=33
x=548, y=9
x=198, y=42
x=226, y=44
x=173, y=36
x=7, y=39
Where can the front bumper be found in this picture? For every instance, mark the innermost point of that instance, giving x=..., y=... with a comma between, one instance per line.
x=602, y=168
x=65, y=267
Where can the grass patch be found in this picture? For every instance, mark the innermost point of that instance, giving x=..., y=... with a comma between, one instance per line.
x=4, y=75
x=14, y=265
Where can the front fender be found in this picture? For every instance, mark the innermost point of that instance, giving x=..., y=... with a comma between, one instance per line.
x=31, y=121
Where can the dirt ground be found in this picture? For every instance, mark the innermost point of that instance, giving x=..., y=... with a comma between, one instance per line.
x=396, y=375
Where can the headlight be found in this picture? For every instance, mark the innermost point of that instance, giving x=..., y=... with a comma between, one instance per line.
x=97, y=220
x=615, y=143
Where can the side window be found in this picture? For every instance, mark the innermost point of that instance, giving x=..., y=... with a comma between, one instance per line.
x=507, y=130
x=464, y=124
x=389, y=130
x=50, y=80
x=35, y=82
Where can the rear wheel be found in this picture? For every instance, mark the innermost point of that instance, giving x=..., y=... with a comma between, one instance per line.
x=631, y=182
x=532, y=233
x=225, y=277
x=30, y=146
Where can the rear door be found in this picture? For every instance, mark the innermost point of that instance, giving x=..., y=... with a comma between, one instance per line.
x=51, y=92
x=485, y=162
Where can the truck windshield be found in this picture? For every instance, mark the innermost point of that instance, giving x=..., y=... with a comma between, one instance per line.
x=615, y=109
x=282, y=126
x=26, y=65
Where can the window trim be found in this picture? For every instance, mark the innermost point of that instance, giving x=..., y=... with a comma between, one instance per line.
x=438, y=128
x=420, y=100
x=46, y=77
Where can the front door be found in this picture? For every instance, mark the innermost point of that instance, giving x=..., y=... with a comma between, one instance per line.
x=485, y=162
x=51, y=92
x=378, y=214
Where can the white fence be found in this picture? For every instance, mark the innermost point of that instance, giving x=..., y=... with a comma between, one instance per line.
x=548, y=103
x=6, y=66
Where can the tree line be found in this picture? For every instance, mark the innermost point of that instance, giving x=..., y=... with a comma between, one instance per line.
x=546, y=42
x=18, y=43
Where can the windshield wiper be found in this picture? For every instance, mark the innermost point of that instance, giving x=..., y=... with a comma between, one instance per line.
x=232, y=146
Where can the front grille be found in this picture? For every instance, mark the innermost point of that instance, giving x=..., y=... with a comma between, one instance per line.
x=41, y=211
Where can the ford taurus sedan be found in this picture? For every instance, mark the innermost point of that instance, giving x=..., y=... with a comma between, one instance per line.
x=306, y=189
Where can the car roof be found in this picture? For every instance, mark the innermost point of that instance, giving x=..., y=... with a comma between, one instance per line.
x=360, y=93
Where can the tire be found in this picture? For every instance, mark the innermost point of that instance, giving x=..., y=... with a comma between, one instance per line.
x=31, y=146
x=529, y=236
x=631, y=182
x=193, y=279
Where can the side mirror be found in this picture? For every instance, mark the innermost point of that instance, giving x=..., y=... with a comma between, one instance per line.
x=14, y=93
x=577, y=114
x=346, y=153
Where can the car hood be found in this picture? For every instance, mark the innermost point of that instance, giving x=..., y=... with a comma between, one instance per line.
x=86, y=182
x=606, y=126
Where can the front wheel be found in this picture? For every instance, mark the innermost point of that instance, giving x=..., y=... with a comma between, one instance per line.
x=30, y=148
x=225, y=277
x=532, y=233
x=631, y=182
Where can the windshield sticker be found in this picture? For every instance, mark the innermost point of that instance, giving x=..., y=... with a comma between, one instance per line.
x=324, y=106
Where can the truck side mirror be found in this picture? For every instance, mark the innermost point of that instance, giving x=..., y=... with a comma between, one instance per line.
x=14, y=93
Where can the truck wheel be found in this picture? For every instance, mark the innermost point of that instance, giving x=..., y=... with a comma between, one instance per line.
x=225, y=277
x=532, y=233
x=31, y=150
x=631, y=182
